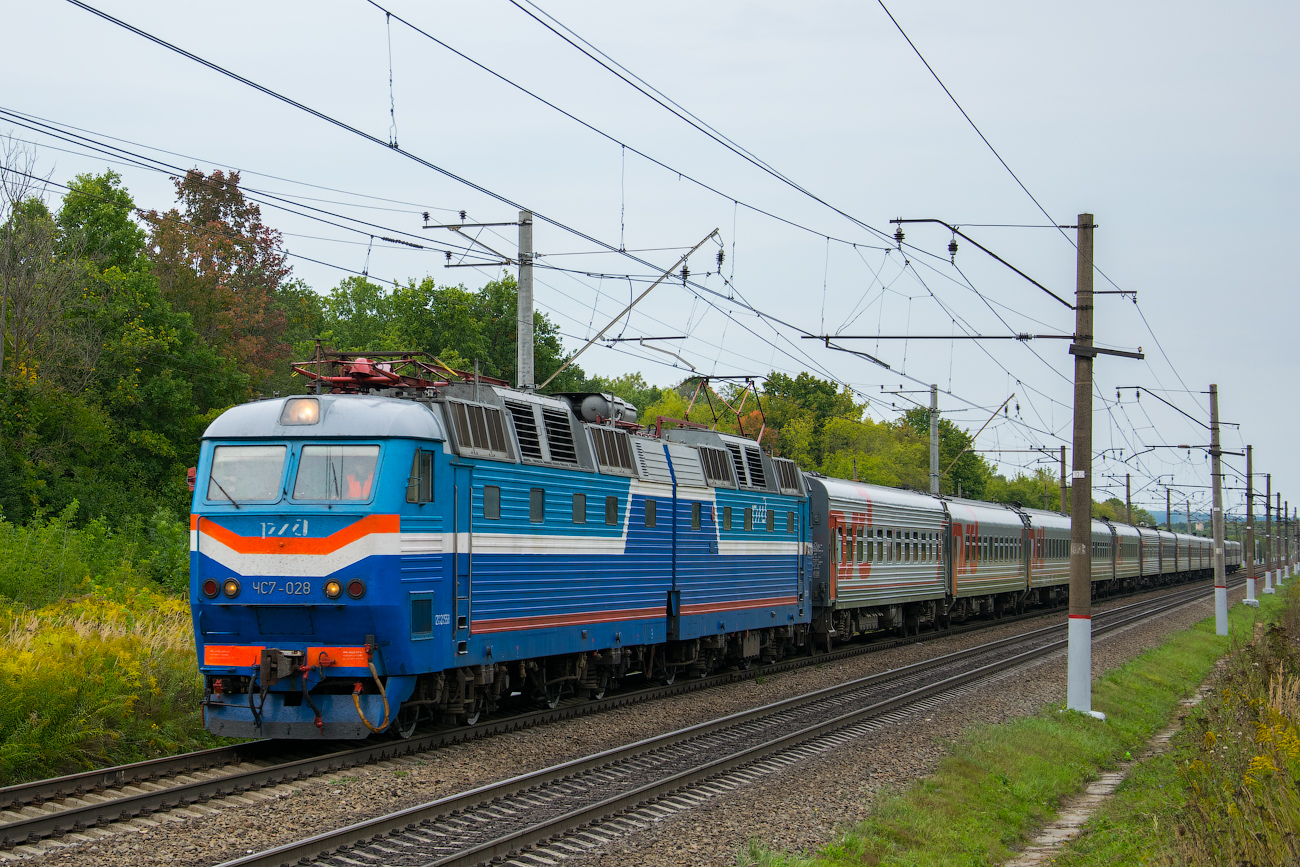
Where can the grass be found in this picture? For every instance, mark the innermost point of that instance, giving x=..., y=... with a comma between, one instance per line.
x=1001, y=782
x=1226, y=793
x=102, y=679
x=97, y=660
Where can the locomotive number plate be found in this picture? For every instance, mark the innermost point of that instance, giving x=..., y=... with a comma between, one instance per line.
x=292, y=588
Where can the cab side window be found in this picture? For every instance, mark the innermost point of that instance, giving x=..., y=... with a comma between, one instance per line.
x=419, y=485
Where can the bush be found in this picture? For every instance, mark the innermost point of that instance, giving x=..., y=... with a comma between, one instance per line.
x=97, y=659
x=105, y=678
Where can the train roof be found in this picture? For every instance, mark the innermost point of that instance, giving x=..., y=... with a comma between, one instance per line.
x=849, y=490
x=983, y=512
x=1046, y=518
x=340, y=415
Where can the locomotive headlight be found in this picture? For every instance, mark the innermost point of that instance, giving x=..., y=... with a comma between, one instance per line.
x=300, y=410
x=210, y=588
x=356, y=588
x=333, y=589
x=230, y=588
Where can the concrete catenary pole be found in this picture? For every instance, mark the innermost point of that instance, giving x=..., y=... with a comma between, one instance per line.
x=1277, y=548
x=1079, y=654
x=1216, y=519
x=524, y=318
x=1284, y=543
x=1169, y=515
x=934, y=439
x=1268, y=533
x=1249, y=548
x=1065, y=510
x=1128, y=496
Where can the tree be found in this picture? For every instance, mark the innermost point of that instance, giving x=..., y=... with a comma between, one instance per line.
x=970, y=471
x=453, y=323
x=218, y=262
x=96, y=220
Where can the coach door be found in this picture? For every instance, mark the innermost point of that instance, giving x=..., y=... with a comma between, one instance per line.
x=463, y=551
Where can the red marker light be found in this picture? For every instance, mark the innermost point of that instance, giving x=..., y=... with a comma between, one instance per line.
x=210, y=588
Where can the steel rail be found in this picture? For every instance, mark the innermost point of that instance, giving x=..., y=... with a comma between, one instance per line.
x=30, y=829
x=411, y=818
x=73, y=785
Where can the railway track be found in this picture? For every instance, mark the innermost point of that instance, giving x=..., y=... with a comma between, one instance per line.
x=31, y=812
x=502, y=819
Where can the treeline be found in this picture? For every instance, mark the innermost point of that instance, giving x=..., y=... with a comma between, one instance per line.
x=126, y=331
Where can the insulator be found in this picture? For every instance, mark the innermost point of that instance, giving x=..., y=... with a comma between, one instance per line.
x=448, y=252
x=462, y=216
x=952, y=249
x=721, y=255
x=898, y=236
x=686, y=273
x=426, y=216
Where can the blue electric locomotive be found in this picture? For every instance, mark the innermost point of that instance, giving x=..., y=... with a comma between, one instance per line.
x=406, y=548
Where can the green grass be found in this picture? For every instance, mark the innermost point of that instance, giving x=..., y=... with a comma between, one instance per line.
x=1000, y=783
x=1206, y=800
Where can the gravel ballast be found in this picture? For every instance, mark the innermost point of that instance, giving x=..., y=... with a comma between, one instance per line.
x=793, y=810
x=801, y=810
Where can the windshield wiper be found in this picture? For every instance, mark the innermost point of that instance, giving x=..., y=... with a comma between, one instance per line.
x=224, y=491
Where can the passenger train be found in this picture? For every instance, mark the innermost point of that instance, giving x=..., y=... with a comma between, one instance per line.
x=419, y=543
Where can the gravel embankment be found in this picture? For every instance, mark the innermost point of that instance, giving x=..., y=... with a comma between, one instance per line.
x=791, y=811
x=801, y=809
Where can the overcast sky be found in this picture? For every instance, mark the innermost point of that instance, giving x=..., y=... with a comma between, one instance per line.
x=1174, y=123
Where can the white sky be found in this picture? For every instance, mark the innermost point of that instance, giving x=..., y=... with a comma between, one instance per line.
x=1174, y=123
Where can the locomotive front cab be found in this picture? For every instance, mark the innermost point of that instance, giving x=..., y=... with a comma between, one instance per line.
x=304, y=590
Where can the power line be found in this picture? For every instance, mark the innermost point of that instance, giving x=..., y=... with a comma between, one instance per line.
x=592, y=127
x=770, y=320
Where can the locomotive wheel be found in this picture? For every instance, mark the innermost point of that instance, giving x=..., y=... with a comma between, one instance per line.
x=472, y=717
x=407, y=719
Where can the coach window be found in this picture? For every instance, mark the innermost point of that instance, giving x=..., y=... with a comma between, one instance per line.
x=880, y=546
x=861, y=534
x=789, y=522
x=771, y=521
x=419, y=486
x=651, y=512
x=537, y=505
x=579, y=508
x=837, y=539
x=726, y=517
x=492, y=502
x=695, y=516
x=611, y=511
x=749, y=517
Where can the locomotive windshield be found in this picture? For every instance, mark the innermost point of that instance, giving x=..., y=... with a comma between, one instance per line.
x=335, y=472
x=246, y=473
